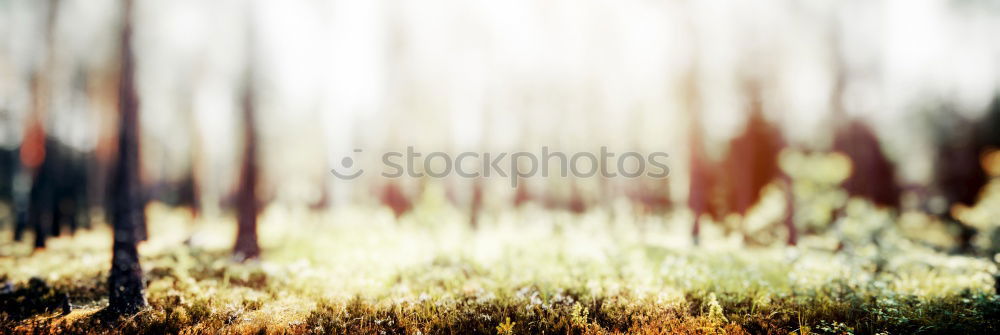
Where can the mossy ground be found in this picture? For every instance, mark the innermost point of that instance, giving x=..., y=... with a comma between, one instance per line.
x=360, y=271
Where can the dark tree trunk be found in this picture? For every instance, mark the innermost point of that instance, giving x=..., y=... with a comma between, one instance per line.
x=125, y=283
x=873, y=175
x=750, y=165
x=700, y=183
x=39, y=212
x=793, y=231
x=394, y=197
x=33, y=146
x=247, y=202
x=477, y=203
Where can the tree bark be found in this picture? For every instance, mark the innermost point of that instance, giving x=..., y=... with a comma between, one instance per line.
x=126, y=288
x=247, y=203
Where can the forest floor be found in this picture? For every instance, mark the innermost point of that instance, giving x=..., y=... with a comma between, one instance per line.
x=523, y=272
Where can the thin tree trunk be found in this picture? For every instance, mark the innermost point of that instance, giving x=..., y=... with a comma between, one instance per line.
x=793, y=231
x=247, y=202
x=700, y=187
x=125, y=283
x=34, y=144
x=477, y=203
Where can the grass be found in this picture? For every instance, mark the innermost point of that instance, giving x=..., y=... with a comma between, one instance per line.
x=531, y=271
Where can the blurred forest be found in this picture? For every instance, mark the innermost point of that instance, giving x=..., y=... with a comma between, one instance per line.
x=165, y=166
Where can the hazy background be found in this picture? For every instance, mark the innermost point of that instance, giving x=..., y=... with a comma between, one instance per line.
x=480, y=75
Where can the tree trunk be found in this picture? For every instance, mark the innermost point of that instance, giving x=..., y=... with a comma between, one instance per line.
x=125, y=283
x=246, y=247
x=34, y=144
x=701, y=186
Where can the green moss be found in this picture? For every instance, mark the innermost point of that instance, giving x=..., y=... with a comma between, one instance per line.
x=578, y=279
